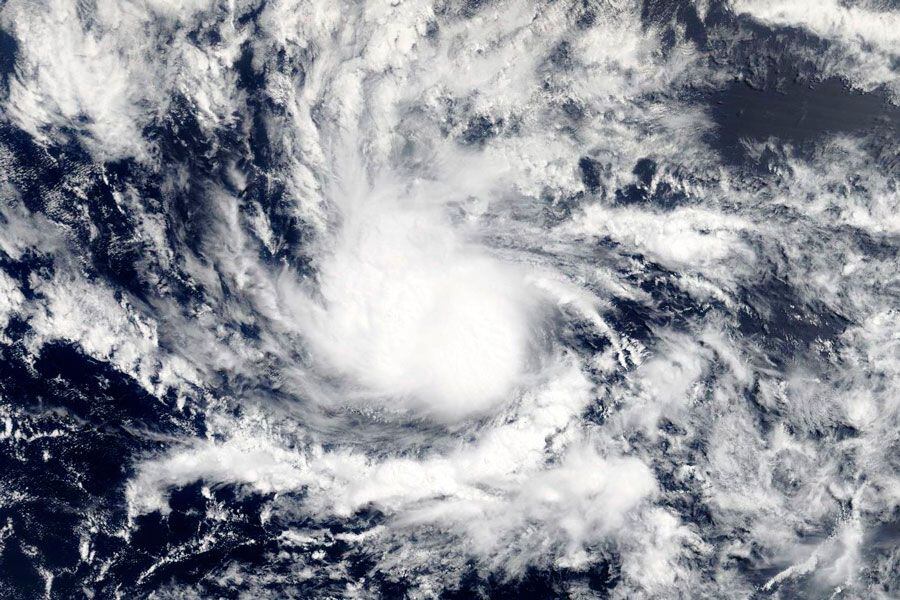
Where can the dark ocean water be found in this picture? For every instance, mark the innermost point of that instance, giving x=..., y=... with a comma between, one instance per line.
x=446, y=300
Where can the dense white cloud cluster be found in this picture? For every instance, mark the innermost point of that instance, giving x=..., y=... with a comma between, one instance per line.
x=459, y=358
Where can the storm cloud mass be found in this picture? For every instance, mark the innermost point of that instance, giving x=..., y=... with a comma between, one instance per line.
x=442, y=299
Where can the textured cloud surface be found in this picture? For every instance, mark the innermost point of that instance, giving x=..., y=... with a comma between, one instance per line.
x=427, y=299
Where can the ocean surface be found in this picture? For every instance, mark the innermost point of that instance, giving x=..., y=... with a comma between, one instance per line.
x=449, y=299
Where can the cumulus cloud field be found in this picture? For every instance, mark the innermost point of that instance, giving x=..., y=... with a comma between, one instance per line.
x=386, y=299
